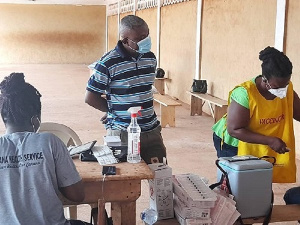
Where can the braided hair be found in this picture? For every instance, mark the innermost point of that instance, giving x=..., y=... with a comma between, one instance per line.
x=19, y=101
x=275, y=63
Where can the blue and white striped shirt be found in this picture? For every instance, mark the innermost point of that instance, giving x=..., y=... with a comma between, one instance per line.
x=126, y=82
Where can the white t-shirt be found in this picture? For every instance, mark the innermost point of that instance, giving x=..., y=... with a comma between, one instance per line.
x=32, y=168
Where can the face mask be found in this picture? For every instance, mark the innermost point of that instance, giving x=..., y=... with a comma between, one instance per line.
x=144, y=45
x=278, y=92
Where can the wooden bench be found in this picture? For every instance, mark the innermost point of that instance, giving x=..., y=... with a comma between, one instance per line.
x=198, y=100
x=280, y=213
x=167, y=109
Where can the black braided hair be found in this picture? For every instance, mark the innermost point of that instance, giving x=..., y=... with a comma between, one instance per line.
x=275, y=63
x=19, y=101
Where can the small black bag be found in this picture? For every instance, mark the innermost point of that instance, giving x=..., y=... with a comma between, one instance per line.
x=199, y=86
x=160, y=73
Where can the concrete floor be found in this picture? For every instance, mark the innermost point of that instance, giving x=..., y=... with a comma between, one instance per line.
x=189, y=145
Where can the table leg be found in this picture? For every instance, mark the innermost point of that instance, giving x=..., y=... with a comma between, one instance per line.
x=123, y=213
x=101, y=213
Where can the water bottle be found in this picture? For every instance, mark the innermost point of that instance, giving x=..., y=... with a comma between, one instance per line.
x=149, y=216
x=134, y=132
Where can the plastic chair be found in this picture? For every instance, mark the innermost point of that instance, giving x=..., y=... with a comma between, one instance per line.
x=69, y=137
x=65, y=133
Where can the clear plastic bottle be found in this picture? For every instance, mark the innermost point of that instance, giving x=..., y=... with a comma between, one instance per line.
x=149, y=216
x=134, y=131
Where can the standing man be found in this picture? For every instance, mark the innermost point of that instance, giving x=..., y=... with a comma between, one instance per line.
x=125, y=76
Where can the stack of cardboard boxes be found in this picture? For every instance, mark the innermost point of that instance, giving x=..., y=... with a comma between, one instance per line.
x=193, y=200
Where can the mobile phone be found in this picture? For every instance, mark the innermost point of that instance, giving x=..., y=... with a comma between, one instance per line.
x=109, y=170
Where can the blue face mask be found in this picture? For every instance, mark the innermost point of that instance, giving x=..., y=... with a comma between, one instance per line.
x=144, y=45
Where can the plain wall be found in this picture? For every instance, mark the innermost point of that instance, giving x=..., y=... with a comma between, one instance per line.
x=233, y=33
x=178, y=47
x=113, y=35
x=51, y=33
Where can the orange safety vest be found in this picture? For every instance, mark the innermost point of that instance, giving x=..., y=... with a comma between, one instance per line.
x=272, y=118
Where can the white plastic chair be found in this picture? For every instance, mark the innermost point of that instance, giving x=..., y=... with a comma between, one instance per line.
x=65, y=133
x=69, y=137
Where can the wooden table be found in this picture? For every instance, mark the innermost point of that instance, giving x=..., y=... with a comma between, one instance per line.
x=122, y=189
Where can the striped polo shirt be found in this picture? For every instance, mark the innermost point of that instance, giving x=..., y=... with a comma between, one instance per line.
x=126, y=82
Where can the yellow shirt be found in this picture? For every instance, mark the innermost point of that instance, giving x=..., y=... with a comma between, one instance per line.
x=272, y=118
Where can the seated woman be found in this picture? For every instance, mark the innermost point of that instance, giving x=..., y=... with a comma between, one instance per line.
x=34, y=167
x=260, y=117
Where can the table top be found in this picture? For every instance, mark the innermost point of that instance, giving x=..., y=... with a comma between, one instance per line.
x=92, y=171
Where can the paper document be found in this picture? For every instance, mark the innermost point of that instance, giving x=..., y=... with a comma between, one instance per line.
x=104, y=155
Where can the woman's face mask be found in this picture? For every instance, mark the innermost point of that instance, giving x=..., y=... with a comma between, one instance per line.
x=278, y=92
x=144, y=45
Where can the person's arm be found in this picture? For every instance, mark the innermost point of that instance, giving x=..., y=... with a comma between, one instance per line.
x=96, y=86
x=74, y=192
x=296, y=107
x=96, y=100
x=68, y=179
x=238, y=119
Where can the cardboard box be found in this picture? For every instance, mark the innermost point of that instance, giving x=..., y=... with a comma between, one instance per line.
x=191, y=190
x=190, y=212
x=193, y=221
x=161, y=191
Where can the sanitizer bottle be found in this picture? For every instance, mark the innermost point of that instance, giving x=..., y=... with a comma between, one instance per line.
x=134, y=131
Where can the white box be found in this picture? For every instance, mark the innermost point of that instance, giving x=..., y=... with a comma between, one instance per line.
x=193, y=221
x=112, y=140
x=161, y=191
x=190, y=212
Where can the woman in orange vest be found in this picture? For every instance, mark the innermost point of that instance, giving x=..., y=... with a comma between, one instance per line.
x=260, y=117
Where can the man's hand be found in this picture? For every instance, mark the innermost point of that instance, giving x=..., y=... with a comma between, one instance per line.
x=104, y=119
x=96, y=100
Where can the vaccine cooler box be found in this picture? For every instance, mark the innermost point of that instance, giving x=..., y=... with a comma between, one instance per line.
x=250, y=179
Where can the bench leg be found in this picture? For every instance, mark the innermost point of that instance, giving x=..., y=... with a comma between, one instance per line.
x=167, y=115
x=219, y=112
x=159, y=84
x=196, y=106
